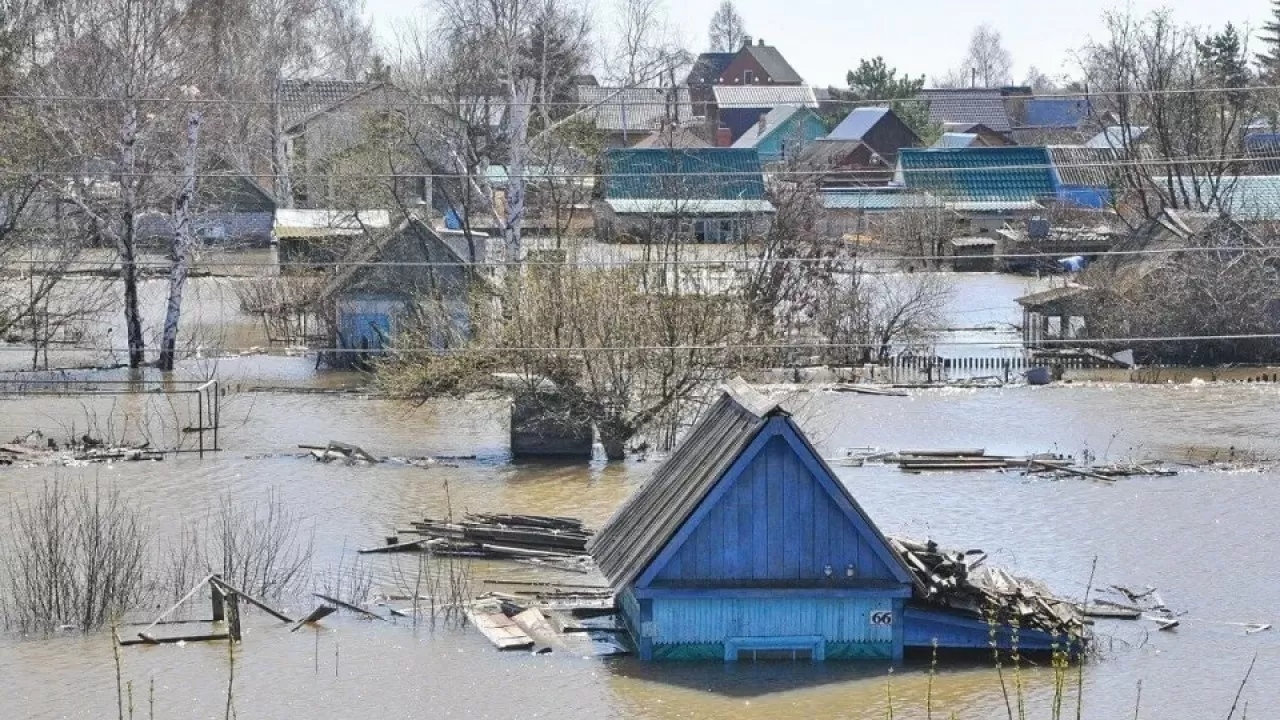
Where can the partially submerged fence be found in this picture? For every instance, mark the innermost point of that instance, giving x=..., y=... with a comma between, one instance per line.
x=171, y=416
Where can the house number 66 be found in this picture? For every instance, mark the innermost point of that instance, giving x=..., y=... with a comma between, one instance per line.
x=881, y=618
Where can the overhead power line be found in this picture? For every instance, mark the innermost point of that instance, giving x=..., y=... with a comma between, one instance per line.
x=1119, y=164
x=852, y=263
x=692, y=348
x=481, y=101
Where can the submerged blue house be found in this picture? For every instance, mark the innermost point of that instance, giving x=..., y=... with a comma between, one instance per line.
x=745, y=545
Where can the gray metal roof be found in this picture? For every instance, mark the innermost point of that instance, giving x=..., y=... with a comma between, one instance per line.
x=858, y=123
x=956, y=140
x=878, y=200
x=1085, y=166
x=642, y=526
x=775, y=67
x=634, y=109
x=300, y=99
x=968, y=106
x=730, y=97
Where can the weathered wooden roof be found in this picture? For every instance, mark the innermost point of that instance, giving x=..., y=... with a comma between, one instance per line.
x=642, y=526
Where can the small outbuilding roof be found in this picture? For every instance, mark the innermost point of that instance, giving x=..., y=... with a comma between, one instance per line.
x=640, y=530
x=858, y=123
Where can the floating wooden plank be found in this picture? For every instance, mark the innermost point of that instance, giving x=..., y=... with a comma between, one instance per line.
x=538, y=627
x=500, y=630
x=966, y=453
x=1062, y=467
x=348, y=606
x=321, y=612
x=395, y=547
x=870, y=390
x=1113, y=612
x=252, y=600
x=150, y=640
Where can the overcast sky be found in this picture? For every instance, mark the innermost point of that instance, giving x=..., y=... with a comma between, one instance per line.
x=824, y=38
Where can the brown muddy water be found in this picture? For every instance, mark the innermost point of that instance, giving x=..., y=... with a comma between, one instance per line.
x=1207, y=539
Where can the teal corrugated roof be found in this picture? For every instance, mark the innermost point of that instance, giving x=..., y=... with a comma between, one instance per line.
x=1247, y=198
x=979, y=174
x=683, y=173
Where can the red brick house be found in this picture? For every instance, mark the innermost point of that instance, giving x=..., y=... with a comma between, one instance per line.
x=759, y=64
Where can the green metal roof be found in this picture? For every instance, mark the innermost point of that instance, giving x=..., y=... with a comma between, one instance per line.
x=683, y=174
x=979, y=174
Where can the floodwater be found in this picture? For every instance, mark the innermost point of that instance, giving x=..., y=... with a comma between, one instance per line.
x=1206, y=539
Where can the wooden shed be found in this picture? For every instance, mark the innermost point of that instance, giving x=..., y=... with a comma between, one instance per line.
x=744, y=545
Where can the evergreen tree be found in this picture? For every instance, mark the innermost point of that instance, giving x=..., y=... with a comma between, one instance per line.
x=874, y=81
x=1269, y=61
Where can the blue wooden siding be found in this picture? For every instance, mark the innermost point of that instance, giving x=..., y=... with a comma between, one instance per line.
x=714, y=620
x=793, y=136
x=775, y=524
x=924, y=627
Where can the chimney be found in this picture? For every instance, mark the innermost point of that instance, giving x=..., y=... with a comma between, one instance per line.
x=746, y=41
x=763, y=123
x=724, y=137
x=760, y=42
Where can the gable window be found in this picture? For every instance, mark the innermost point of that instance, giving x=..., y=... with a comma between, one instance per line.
x=748, y=77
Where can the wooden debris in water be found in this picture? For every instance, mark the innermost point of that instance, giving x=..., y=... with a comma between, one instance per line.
x=959, y=580
x=869, y=390
x=341, y=451
x=538, y=539
x=499, y=629
x=315, y=616
x=348, y=606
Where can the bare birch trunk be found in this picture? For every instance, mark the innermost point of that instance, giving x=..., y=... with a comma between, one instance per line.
x=518, y=129
x=184, y=240
x=279, y=152
x=126, y=240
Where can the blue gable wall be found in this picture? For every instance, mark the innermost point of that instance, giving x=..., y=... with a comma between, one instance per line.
x=791, y=137
x=776, y=519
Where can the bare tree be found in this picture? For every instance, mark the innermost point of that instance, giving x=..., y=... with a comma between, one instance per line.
x=727, y=31
x=921, y=232
x=184, y=243
x=1039, y=81
x=76, y=557
x=871, y=317
x=621, y=355
x=989, y=63
x=644, y=40
x=1176, y=105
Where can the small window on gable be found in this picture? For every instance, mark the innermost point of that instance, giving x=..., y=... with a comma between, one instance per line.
x=748, y=77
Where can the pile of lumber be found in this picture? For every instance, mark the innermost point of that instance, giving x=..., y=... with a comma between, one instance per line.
x=961, y=580
x=975, y=459
x=497, y=536
x=916, y=461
